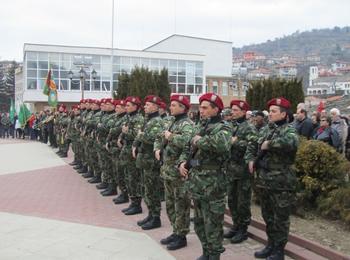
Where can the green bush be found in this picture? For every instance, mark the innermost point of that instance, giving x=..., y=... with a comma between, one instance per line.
x=336, y=205
x=320, y=170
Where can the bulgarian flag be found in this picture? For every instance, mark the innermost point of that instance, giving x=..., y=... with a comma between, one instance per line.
x=50, y=89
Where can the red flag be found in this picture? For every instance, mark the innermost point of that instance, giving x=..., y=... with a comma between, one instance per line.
x=320, y=107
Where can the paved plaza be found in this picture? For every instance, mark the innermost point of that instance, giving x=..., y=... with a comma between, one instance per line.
x=48, y=211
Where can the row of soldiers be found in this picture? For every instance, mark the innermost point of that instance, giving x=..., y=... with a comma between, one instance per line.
x=115, y=145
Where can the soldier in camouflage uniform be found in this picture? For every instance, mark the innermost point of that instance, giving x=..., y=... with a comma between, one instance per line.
x=168, y=149
x=226, y=114
x=84, y=111
x=92, y=146
x=239, y=180
x=112, y=143
x=202, y=164
x=145, y=160
x=134, y=124
x=61, y=127
x=105, y=158
x=73, y=134
x=277, y=147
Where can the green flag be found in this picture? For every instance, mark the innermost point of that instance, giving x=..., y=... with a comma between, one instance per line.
x=24, y=115
x=50, y=89
x=12, y=111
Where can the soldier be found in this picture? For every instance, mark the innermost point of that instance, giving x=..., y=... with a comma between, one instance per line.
x=162, y=110
x=73, y=134
x=112, y=141
x=80, y=126
x=202, y=164
x=62, y=122
x=133, y=125
x=226, y=114
x=143, y=152
x=277, y=147
x=104, y=155
x=237, y=175
x=168, y=149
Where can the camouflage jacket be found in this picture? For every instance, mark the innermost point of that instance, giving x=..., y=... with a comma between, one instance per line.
x=102, y=129
x=245, y=132
x=135, y=122
x=5, y=121
x=91, y=123
x=144, y=141
x=72, y=132
x=182, y=129
x=206, y=179
x=274, y=165
x=115, y=131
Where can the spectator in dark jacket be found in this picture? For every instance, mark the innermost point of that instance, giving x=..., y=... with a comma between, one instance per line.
x=327, y=134
x=303, y=124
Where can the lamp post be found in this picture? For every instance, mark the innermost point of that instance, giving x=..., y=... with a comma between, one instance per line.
x=82, y=75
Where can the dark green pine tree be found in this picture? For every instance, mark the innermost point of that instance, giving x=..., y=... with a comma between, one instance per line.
x=123, y=85
x=163, y=87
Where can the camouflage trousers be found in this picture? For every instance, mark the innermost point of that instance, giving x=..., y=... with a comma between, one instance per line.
x=208, y=191
x=152, y=195
x=106, y=166
x=132, y=174
x=92, y=158
x=76, y=149
x=119, y=173
x=239, y=193
x=276, y=209
x=178, y=205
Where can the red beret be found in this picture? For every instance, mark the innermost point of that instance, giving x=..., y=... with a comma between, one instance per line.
x=102, y=100
x=109, y=100
x=75, y=107
x=63, y=106
x=181, y=99
x=153, y=99
x=82, y=101
x=134, y=100
x=162, y=105
x=212, y=98
x=280, y=101
x=96, y=101
x=241, y=104
x=89, y=100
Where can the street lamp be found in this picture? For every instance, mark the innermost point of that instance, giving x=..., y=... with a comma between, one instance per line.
x=82, y=76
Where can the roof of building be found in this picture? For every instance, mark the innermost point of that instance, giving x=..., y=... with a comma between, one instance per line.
x=185, y=36
x=343, y=78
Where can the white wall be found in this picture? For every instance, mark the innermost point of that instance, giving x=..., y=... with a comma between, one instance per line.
x=218, y=54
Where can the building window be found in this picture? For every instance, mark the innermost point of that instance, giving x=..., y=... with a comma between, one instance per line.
x=215, y=87
x=224, y=88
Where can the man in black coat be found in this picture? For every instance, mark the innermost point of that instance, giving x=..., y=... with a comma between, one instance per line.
x=303, y=124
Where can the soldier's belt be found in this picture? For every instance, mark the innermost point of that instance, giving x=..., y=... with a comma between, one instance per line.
x=198, y=166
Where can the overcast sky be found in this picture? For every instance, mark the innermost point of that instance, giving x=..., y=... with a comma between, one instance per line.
x=140, y=23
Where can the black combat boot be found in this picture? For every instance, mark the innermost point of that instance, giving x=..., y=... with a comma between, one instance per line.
x=229, y=233
x=180, y=241
x=78, y=166
x=102, y=186
x=129, y=207
x=110, y=191
x=204, y=256
x=84, y=169
x=63, y=155
x=214, y=257
x=240, y=236
x=89, y=174
x=75, y=162
x=59, y=152
x=277, y=253
x=145, y=220
x=265, y=252
x=168, y=240
x=153, y=223
x=135, y=208
x=122, y=198
x=95, y=179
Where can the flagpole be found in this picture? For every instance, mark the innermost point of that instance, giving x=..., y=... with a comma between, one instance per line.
x=112, y=46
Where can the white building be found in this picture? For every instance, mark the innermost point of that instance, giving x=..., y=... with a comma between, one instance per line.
x=188, y=60
x=330, y=85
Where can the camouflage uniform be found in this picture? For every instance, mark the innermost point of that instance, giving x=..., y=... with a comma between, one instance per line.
x=276, y=178
x=207, y=183
x=239, y=180
x=104, y=157
x=112, y=139
x=80, y=126
x=176, y=196
x=92, y=146
x=147, y=162
x=73, y=136
x=134, y=122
